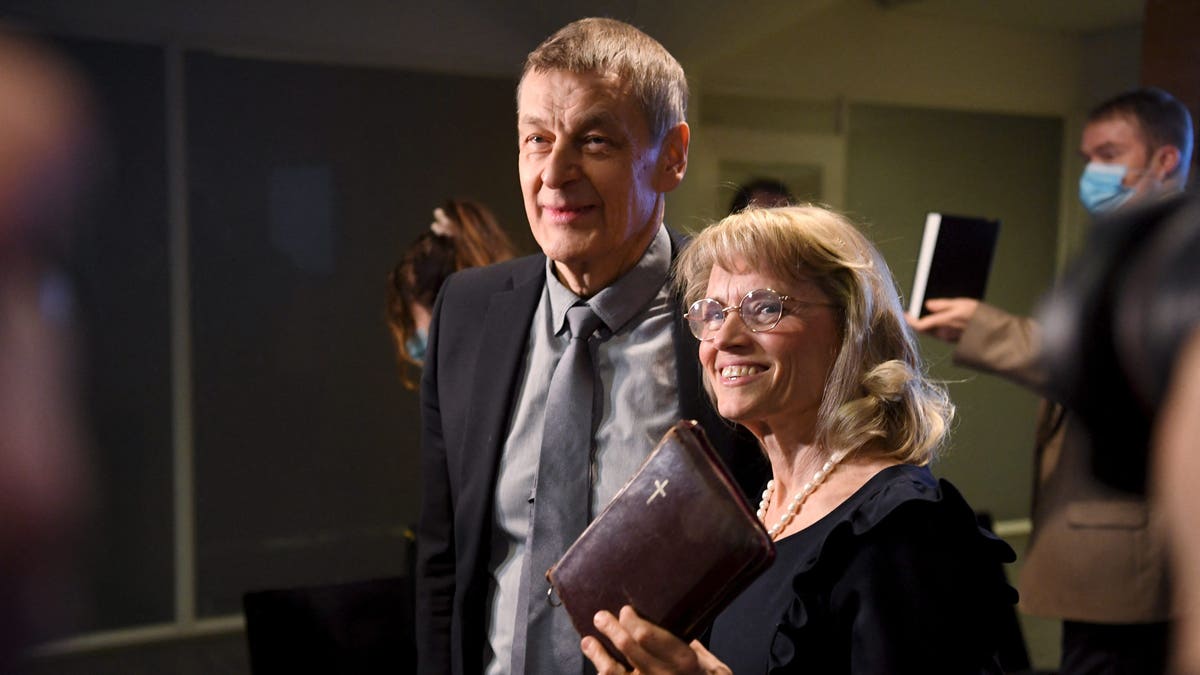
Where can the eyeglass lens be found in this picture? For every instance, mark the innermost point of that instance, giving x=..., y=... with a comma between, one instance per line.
x=760, y=310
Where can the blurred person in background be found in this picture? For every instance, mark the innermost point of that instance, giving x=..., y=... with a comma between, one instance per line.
x=46, y=134
x=763, y=192
x=1122, y=350
x=463, y=234
x=1096, y=556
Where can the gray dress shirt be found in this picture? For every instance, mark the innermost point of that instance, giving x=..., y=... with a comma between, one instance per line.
x=635, y=360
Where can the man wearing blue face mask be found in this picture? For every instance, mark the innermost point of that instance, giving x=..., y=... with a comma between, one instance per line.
x=1095, y=557
x=1137, y=145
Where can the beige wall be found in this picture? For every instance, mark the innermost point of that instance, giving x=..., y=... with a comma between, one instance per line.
x=857, y=50
x=854, y=51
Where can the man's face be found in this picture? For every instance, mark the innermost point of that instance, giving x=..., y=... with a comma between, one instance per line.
x=591, y=177
x=1116, y=140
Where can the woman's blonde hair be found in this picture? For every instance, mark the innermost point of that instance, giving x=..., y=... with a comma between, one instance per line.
x=877, y=389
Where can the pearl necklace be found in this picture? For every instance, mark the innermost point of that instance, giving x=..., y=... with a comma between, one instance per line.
x=801, y=496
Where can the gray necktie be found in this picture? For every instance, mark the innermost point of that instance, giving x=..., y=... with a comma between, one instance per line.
x=561, y=502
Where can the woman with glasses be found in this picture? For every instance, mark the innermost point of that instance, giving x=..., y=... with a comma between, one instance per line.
x=880, y=567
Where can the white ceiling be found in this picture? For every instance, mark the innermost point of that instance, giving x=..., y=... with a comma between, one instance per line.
x=492, y=36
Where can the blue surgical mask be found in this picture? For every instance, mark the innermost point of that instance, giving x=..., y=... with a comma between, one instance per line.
x=1101, y=189
x=416, y=345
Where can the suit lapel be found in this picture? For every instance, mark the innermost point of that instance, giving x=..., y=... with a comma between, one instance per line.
x=504, y=328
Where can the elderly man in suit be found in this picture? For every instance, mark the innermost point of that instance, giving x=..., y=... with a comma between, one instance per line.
x=602, y=138
x=1096, y=556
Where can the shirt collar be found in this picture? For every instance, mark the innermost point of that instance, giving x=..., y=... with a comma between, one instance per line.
x=621, y=300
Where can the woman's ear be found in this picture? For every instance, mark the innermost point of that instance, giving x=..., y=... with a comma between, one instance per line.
x=673, y=158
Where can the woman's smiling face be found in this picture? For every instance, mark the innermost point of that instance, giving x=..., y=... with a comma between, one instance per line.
x=771, y=379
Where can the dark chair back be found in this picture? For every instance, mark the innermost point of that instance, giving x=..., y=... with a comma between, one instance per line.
x=358, y=628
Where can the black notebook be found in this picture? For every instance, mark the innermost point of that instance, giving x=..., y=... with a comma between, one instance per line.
x=955, y=259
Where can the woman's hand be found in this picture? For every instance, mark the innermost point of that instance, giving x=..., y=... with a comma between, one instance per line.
x=649, y=648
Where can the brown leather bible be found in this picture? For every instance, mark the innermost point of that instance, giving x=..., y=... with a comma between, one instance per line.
x=678, y=542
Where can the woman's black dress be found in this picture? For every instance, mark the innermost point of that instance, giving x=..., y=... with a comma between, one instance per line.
x=896, y=579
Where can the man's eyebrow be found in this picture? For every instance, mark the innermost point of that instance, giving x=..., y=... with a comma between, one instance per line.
x=590, y=120
x=530, y=121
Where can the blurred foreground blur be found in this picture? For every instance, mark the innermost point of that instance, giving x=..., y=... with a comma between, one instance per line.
x=46, y=136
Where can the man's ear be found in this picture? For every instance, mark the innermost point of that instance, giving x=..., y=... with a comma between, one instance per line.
x=672, y=158
x=1165, y=162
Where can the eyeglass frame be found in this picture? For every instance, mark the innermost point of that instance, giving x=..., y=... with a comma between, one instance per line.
x=692, y=324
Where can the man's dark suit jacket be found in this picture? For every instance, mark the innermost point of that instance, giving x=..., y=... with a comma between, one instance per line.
x=477, y=345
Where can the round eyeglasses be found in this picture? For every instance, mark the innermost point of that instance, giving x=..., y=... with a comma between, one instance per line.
x=760, y=309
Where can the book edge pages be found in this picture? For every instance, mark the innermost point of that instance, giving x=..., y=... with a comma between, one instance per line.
x=933, y=223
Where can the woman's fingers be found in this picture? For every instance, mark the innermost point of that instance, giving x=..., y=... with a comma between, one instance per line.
x=603, y=661
x=651, y=649
x=708, y=663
